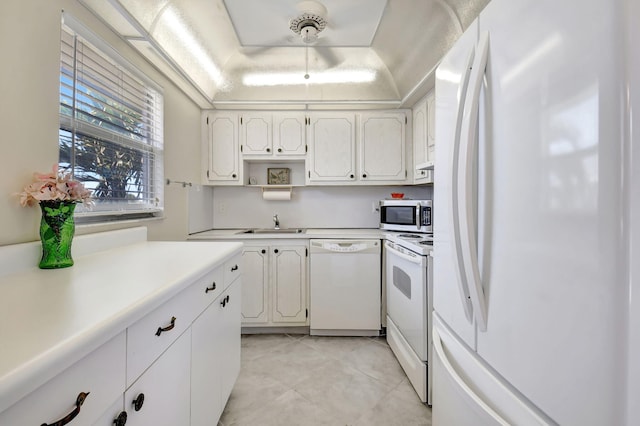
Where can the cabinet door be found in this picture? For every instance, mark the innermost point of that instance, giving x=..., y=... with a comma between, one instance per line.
x=255, y=278
x=331, y=140
x=215, y=359
x=166, y=388
x=289, y=284
x=289, y=137
x=206, y=367
x=382, y=147
x=223, y=147
x=420, y=135
x=431, y=127
x=256, y=133
x=231, y=333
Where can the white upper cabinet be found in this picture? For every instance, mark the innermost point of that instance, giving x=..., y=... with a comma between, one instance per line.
x=289, y=138
x=278, y=134
x=332, y=147
x=431, y=134
x=424, y=138
x=221, y=148
x=336, y=147
x=256, y=134
x=382, y=147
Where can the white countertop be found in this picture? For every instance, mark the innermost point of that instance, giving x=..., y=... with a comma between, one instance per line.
x=50, y=319
x=238, y=234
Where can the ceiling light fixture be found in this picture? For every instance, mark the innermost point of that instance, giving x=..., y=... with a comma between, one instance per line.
x=324, y=77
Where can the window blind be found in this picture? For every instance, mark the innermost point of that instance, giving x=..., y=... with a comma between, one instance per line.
x=111, y=130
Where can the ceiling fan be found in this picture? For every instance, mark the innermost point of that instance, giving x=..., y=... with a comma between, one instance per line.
x=308, y=25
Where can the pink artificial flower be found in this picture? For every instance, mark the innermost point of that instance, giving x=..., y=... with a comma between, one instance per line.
x=54, y=186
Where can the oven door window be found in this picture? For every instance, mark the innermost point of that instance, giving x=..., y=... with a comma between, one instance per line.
x=402, y=281
x=399, y=215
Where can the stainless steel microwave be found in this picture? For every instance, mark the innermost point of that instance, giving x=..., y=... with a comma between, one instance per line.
x=406, y=215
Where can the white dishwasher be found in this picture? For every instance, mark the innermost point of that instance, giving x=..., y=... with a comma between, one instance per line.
x=345, y=287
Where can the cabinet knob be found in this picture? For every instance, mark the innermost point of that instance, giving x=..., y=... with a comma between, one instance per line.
x=263, y=251
x=234, y=175
x=268, y=149
x=137, y=403
x=279, y=149
x=275, y=250
x=121, y=420
x=351, y=176
x=364, y=175
x=167, y=328
x=208, y=289
x=72, y=415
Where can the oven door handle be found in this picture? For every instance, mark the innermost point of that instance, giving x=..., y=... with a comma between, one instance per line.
x=413, y=259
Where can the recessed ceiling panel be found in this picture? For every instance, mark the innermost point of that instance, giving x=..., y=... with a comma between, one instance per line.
x=266, y=23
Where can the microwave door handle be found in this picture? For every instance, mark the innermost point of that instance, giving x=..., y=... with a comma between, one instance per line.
x=418, y=217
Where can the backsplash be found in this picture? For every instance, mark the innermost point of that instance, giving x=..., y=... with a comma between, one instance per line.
x=309, y=207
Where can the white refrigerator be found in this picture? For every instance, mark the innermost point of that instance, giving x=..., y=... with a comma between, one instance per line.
x=536, y=214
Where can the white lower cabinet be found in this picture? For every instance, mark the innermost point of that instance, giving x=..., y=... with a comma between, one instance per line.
x=215, y=356
x=275, y=283
x=175, y=366
x=162, y=392
x=81, y=393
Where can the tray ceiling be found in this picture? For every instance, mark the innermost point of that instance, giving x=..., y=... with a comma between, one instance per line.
x=242, y=53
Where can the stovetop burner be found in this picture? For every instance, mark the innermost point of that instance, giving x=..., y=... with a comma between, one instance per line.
x=417, y=242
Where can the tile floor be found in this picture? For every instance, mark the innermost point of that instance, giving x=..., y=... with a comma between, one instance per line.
x=309, y=380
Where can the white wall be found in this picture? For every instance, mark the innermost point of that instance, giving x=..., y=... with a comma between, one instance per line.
x=310, y=207
x=29, y=85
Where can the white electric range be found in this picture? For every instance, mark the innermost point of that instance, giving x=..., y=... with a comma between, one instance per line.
x=408, y=264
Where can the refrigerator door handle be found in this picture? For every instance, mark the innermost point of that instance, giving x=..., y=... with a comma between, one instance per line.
x=455, y=216
x=459, y=381
x=468, y=142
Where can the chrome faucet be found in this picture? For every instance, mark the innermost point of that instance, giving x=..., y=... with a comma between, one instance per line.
x=276, y=221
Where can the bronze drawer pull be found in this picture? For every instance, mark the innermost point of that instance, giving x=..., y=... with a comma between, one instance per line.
x=208, y=289
x=167, y=328
x=72, y=415
x=234, y=268
x=225, y=300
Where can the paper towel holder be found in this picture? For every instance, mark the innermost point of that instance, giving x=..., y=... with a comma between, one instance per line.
x=276, y=192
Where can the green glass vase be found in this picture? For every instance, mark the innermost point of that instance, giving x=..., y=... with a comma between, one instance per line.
x=56, y=233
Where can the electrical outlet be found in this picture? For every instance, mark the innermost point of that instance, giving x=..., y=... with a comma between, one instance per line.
x=222, y=208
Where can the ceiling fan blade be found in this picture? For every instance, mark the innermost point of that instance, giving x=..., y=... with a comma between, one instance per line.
x=329, y=56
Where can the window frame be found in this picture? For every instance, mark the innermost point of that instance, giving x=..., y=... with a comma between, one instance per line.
x=146, y=114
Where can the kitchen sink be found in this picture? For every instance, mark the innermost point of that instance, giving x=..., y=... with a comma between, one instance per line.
x=274, y=231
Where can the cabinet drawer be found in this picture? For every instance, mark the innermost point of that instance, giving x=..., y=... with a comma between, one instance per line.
x=149, y=337
x=100, y=374
x=232, y=269
x=209, y=288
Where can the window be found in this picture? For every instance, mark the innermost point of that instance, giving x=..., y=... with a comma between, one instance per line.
x=110, y=130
